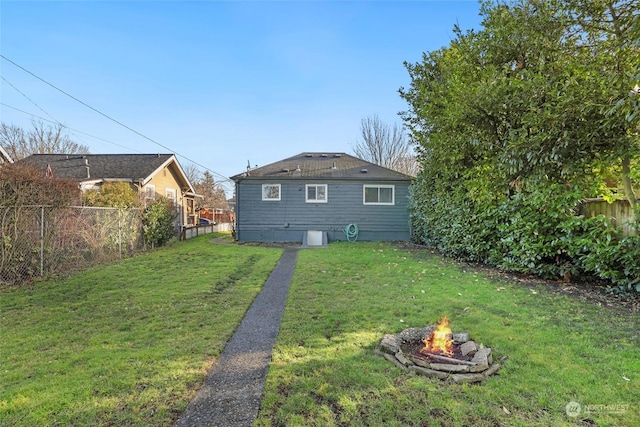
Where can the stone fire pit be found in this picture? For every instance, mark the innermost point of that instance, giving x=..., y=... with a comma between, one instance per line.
x=469, y=362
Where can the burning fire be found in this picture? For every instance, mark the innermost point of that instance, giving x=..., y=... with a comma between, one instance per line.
x=440, y=341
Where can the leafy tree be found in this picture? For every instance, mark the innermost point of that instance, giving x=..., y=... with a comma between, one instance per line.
x=112, y=194
x=385, y=146
x=610, y=31
x=158, y=222
x=40, y=139
x=519, y=121
x=522, y=99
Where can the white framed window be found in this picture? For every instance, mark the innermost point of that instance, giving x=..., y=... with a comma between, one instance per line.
x=150, y=192
x=271, y=192
x=378, y=194
x=172, y=195
x=316, y=193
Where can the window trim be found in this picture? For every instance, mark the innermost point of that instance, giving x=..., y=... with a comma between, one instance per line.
x=379, y=186
x=316, y=200
x=265, y=199
x=171, y=194
x=147, y=189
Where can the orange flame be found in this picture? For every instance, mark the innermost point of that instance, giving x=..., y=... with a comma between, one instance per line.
x=440, y=340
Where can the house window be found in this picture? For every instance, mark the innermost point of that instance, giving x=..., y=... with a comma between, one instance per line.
x=172, y=195
x=149, y=193
x=191, y=218
x=378, y=194
x=271, y=192
x=316, y=193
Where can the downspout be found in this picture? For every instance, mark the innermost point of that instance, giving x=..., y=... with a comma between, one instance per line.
x=234, y=230
x=182, y=209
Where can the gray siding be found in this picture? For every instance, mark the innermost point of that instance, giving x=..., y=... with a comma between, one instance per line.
x=286, y=220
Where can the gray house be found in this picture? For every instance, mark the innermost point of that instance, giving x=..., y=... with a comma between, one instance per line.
x=319, y=197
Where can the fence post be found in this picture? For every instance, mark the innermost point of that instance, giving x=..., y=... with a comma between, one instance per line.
x=119, y=213
x=41, y=240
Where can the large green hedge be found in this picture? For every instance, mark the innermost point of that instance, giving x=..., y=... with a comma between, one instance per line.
x=534, y=231
x=518, y=122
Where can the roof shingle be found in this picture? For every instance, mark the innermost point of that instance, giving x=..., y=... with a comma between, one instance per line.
x=324, y=166
x=100, y=166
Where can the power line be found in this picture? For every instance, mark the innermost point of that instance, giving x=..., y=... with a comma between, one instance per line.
x=54, y=120
x=69, y=128
x=112, y=119
x=30, y=100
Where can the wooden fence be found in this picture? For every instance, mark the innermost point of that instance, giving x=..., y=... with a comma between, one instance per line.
x=202, y=229
x=218, y=215
x=619, y=213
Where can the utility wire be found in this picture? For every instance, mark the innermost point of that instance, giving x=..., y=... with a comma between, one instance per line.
x=69, y=128
x=112, y=119
x=54, y=120
x=30, y=100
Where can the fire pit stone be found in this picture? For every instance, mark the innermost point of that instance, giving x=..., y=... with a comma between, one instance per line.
x=403, y=360
x=449, y=367
x=467, y=378
x=390, y=343
x=430, y=373
x=469, y=363
x=468, y=348
x=461, y=338
x=415, y=334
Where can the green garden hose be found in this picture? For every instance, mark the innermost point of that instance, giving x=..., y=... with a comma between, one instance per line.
x=351, y=231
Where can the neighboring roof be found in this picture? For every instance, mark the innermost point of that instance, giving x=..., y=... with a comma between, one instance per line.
x=4, y=156
x=104, y=167
x=322, y=166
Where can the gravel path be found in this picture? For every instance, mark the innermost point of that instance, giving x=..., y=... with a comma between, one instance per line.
x=230, y=396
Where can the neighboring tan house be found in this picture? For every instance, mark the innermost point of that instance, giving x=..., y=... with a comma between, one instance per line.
x=151, y=175
x=321, y=197
x=4, y=156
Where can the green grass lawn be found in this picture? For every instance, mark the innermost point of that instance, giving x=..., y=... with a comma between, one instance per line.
x=128, y=343
x=344, y=299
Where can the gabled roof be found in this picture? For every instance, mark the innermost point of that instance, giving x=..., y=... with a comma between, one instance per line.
x=323, y=166
x=105, y=167
x=4, y=156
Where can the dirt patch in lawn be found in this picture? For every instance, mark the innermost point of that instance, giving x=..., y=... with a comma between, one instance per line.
x=590, y=290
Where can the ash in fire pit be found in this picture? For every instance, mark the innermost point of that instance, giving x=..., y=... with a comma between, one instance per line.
x=436, y=352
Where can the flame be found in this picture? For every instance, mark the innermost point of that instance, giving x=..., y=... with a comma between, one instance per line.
x=440, y=340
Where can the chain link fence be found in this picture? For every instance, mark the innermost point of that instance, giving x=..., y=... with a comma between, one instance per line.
x=42, y=240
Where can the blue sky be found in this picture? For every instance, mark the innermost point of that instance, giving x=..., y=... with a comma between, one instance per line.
x=217, y=82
